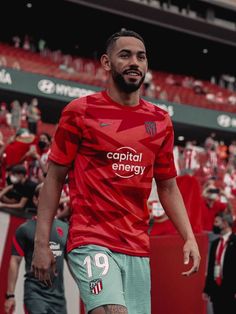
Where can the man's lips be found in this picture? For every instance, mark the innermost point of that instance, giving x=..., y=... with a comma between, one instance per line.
x=133, y=73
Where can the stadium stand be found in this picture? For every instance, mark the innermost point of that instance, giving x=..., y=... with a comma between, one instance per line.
x=198, y=166
x=181, y=88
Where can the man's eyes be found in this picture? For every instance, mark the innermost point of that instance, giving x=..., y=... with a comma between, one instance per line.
x=140, y=57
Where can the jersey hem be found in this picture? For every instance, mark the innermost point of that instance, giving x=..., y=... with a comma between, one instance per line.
x=118, y=250
x=166, y=178
x=57, y=160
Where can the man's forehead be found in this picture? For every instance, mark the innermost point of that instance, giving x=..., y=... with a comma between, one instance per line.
x=129, y=43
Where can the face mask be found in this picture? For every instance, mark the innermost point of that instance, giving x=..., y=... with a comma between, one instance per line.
x=42, y=144
x=216, y=229
x=14, y=179
x=212, y=196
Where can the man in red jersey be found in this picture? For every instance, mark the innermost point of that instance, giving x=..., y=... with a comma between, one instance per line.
x=111, y=144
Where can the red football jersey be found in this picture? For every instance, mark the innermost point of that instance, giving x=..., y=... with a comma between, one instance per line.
x=113, y=152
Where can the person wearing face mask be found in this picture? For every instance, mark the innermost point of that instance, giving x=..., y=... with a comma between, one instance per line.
x=44, y=146
x=37, y=157
x=220, y=284
x=212, y=204
x=18, y=194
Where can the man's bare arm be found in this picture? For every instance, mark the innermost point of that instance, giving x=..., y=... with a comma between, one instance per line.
x=172, y=202
x=13, y=272
x=43, y=264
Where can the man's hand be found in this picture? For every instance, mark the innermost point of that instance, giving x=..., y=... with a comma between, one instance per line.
x=10, y=305
x=44, y=264
x=191, y=251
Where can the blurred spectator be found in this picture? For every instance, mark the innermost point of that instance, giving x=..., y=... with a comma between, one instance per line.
x=232, y=100
x=213, y=161
x=222, y=151
x=163, y=95
x=187, y=82
x=212, y=204
x=64, y=210
x=198, y=87
x=148, y=80
x=16, y=41
x=39, y=153
x=78, y=64
x=229, y=180
x=101, y=76
x=170, y=79
x=16, y=65
x=26, y=43
x=41, y=45
x=191, y=162
x=33, y=116
x=220, y=285
x=24, y=110
x=89, y=67
x=3, y=61
x=19, y=143
x=151, y=90
x=19, y=192
x=219, y=98
x=1, y=140
x=228, y=81
x=3, y=114
x=15, y=115
x=159, y=221
x=232, y=153
x=177, y=98
x=56, y=55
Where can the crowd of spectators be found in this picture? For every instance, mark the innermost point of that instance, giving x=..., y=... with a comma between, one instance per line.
x=23, y=167
x=213, y=163
x=24, y=155
x=218, y=94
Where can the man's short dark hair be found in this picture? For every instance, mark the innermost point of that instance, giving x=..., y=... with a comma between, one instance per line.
x=18, y=169
x=48, y=136
x=122, y=33
x=227, y=217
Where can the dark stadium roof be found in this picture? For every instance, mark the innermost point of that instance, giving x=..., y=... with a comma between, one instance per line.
x=82, y=30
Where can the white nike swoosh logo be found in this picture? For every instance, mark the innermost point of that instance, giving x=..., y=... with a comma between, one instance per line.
x=104, y=124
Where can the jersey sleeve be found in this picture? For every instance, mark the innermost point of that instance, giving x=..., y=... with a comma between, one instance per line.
x=68, y=135
x=18, y=242
x=164, y=167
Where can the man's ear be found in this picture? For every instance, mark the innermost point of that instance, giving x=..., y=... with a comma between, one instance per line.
x=105, y=62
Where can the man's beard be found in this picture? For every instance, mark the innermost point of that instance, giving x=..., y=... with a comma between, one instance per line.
x=124, y=86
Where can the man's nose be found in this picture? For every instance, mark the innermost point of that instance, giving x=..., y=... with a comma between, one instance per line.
x=134, y=60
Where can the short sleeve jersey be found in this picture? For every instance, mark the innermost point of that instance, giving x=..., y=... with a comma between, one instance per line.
x=113, y=152
x=23, y=245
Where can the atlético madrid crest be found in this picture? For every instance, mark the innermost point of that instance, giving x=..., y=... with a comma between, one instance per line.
x=151, y=128
x=95, y=286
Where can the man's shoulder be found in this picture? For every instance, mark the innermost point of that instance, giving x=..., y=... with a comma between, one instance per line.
x=155, y=108
x=81, y=103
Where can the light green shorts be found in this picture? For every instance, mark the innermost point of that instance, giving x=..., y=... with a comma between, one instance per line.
x=106, y=277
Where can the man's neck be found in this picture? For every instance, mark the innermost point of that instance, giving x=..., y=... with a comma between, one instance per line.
x=122, y=98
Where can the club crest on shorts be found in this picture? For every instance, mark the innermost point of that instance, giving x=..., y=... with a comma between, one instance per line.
x=95, y=286
x=150, y=127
